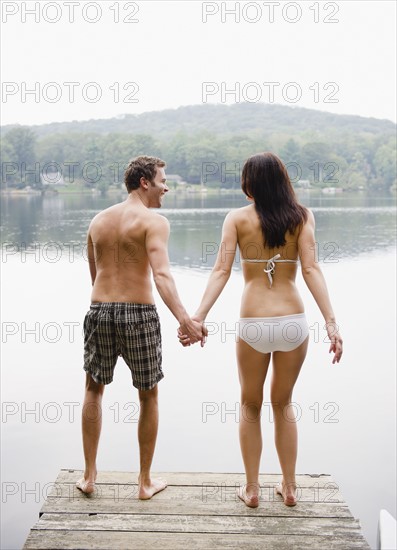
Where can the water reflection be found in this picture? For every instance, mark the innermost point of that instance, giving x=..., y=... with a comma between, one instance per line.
x=346, y=225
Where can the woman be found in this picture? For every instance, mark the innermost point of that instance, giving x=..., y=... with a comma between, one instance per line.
x=272, y=233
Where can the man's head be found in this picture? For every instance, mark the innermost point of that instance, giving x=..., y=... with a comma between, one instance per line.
x=141, y=167
x=147, y=175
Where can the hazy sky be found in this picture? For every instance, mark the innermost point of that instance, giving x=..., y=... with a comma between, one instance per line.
x=83, y=60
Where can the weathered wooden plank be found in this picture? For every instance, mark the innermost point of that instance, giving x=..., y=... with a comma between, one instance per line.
x=193, y=478
x=206, y=493
x=103, y=540
x=197, y=511
x=190, y=507
x=199, y=524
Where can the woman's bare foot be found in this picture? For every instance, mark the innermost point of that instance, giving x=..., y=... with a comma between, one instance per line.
x=288, y=493
x=249, y=494
x=148, y=489
x=87, y=486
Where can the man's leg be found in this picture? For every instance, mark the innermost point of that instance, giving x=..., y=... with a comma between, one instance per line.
x=147, y=435
x=91, y=427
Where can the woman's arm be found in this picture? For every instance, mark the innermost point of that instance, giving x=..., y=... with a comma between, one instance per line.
x=221, y=271
x=315, y=282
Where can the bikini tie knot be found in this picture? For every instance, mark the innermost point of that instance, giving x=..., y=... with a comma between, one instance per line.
x=269, y=269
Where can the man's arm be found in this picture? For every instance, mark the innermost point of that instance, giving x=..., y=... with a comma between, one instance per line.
x=91, y=257
x=315, y=282
x=157, y=250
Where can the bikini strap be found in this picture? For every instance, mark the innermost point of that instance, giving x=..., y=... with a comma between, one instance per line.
x=270, y=265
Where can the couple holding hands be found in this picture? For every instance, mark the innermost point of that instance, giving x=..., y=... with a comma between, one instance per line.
x=128, y=242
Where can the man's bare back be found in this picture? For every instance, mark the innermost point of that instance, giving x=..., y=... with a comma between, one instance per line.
x=117, y=237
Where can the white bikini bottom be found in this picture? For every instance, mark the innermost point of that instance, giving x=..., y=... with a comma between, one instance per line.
x=268, y=334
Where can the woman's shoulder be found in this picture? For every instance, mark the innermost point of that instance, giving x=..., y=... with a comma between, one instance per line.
x=306, y=214
x=309, y=214
x=242, y=212
x=240, y=216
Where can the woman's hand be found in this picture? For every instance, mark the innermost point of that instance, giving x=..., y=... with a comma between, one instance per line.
x=185, y=339
x=336, y=341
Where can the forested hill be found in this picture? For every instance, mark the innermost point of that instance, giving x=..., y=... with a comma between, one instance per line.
x=204, y=143
x=259, y=118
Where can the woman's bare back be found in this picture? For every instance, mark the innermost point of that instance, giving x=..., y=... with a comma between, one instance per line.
x=273, y=292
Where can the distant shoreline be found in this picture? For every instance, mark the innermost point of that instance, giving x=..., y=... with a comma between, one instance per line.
x=188, y=191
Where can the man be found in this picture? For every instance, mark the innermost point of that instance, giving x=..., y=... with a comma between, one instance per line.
x=127, y=242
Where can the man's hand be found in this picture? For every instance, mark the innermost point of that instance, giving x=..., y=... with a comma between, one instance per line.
x=192, y=331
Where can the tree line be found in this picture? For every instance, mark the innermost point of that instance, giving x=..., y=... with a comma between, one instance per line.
x=356, y=154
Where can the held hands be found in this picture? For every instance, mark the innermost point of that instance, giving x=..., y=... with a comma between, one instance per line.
x=192, y=331
x=336, y=341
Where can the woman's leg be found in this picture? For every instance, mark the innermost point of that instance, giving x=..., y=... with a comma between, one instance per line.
x=252, y=368
x=286, y=368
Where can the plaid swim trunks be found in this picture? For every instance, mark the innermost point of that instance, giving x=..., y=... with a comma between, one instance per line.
x=130, y=330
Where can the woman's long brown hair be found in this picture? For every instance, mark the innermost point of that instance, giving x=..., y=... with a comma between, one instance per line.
x=265, y=179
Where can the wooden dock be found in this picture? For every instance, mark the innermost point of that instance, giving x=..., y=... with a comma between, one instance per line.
x=196, y=511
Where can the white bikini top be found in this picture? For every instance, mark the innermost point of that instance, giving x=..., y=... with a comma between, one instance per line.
x=270, y=265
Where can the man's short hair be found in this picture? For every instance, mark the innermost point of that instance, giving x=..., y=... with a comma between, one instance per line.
x=139, y=167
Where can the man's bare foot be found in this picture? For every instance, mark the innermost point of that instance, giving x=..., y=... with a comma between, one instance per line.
x=86, y=486
x=288, y=493
x=147, y=490
x=249, y=495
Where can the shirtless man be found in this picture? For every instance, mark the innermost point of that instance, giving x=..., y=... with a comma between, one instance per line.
x=127, y=242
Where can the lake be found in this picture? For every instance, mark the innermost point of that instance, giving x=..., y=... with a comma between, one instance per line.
x=346, y=412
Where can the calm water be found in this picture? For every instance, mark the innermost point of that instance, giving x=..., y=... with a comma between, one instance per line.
x=347, y=412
